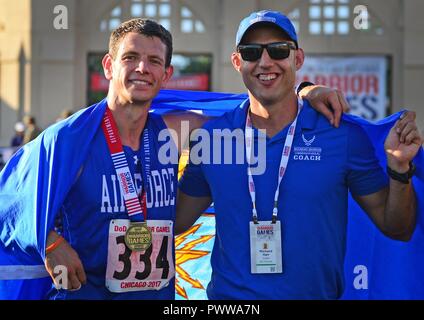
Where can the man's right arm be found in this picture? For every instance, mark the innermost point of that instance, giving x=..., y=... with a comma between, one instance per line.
x=182, y=123
x=329, y=102
x=65, y=255
x=189, y=210
x=193, y=196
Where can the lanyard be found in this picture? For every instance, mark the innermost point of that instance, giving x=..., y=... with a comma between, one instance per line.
x=136, y=211
x=283, y=162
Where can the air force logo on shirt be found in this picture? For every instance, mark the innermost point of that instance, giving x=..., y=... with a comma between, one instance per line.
x=308, y=152
x=162, y=193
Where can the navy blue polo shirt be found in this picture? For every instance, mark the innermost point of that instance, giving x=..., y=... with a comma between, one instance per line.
x=324, y=164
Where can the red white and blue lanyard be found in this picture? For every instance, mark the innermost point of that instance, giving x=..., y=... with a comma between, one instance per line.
x=283, y=162
x=137, y=212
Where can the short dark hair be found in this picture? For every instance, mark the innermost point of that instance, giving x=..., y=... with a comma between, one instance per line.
x=145, y=27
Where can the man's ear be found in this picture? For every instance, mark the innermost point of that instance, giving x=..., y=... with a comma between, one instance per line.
x=236, y=61
x=107, y=62
x=300, y=58
x=169, y=71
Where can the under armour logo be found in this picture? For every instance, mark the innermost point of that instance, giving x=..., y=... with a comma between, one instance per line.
x=308, y=142
x=135, y=160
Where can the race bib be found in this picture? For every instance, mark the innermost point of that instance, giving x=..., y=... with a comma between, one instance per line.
x=151, y=269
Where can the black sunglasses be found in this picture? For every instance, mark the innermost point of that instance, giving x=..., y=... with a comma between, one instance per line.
x=276, y=50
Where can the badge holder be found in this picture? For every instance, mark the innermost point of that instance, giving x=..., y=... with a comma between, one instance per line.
x=265, y=247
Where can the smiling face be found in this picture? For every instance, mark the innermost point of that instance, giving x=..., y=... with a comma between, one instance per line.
x=269, y=81
x=138, y=70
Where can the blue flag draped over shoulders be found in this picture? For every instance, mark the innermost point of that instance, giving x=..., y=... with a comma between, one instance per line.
x=33, y=185
x=37, y=178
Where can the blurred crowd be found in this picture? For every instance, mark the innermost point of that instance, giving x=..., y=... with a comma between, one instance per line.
x=24, y=132
x=27, y=129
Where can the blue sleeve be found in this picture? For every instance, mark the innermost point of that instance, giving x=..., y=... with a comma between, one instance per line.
x=365, y=175
x=193, y=181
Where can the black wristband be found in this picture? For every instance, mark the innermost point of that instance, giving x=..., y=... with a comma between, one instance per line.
x=402, y=177
x=304, y=84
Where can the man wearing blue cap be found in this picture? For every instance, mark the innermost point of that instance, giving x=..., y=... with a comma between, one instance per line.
x=281, y=234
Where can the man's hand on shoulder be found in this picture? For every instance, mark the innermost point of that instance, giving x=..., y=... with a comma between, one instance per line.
x=330, y=102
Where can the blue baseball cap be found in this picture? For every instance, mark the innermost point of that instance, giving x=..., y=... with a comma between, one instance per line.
x=274, y=17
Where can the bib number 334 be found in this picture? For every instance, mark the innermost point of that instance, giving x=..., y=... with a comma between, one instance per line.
x=150, y=269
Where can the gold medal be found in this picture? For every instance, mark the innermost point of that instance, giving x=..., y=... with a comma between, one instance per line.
x=138, y=236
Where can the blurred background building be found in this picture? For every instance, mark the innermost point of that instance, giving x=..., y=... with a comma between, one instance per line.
x=50, y=50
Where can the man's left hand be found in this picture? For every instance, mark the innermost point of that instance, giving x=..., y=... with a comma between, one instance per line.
x=330, y=102
x=403, y=142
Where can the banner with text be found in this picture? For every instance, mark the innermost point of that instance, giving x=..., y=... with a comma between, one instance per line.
x=363, y=80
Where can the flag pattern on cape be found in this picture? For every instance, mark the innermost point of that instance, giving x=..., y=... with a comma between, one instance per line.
x=37, y=178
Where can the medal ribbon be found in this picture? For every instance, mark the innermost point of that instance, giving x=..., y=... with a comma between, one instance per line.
x=136, y=211
x=283, y=162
